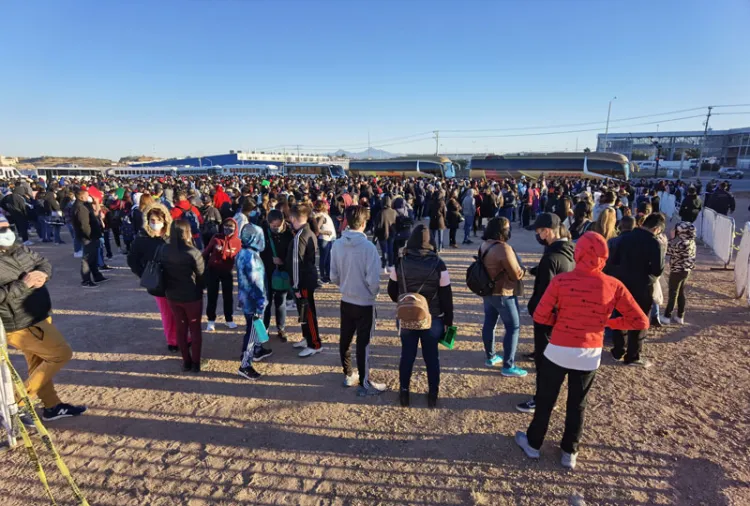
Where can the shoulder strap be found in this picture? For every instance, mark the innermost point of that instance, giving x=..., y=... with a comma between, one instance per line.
x=273, y=246
x=428, y=276
x=157, y=253
x=484, y=255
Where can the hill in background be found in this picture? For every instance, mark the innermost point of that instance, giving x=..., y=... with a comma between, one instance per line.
x=58, y=161
x=368, y=153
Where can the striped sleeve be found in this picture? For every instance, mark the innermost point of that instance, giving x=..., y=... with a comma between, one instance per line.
x=295, y=260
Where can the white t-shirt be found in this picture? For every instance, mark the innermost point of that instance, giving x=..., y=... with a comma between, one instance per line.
x=579, y=359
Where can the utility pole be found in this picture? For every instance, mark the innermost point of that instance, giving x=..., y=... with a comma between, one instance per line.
x=298, y=153
x=703, y=142
x=606, y=129
x=437, y=141
x=369, y=153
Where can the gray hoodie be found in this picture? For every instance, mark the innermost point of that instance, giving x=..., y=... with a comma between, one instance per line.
x=355, y=268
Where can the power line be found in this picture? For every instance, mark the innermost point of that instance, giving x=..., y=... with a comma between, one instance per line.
x=729, y=113
x=732, y=105
x=568, y=131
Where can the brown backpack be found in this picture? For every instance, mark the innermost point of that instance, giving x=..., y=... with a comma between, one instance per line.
x=412, y=309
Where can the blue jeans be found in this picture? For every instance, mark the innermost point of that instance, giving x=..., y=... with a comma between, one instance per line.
x=55, y=231
x=386, y=247
x=77, y=246
x=437, y=238
x=429, y=338
x=468, y=224
x=654, y=310
x=325, y=258
x=43, y=229
x=506, y=308
x=100, y=252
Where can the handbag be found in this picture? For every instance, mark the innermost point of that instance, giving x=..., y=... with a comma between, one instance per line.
x=152, y=278
x=261, y=334
x=280, y=281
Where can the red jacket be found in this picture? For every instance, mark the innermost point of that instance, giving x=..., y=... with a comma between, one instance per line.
x=222, y=249
x=585, y=298
x=181, y=207
x=221, y=197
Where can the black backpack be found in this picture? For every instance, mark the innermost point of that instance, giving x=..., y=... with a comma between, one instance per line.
x=403, y=227
x=477, y=278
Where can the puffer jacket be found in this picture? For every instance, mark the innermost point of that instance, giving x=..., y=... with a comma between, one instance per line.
x=251, y=273
x=682, y=250
x=502, y=266
x=183, y=272
x=147, y=243
x=578, y=304
x=222, y=250
x=558, y=257
x=21, y=306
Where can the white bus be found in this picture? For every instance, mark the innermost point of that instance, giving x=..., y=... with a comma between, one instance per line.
x=314, y=170
x=256, y=169
x=9, y=173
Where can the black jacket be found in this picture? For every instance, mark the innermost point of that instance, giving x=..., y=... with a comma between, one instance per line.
x=281, y=242
x=721, y=201
x=142, y=251
x=15, y=204
x=85, y=223
x=50, y=202
x=438, y=212
x=300, y=259
x=21, y=306
x=455, y=214
x=183, y=273
x=558, y=257
x=638, y=261
x=690, y=208
x=422, y=269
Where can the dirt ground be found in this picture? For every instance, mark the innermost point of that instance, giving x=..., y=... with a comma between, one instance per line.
x=677, y=433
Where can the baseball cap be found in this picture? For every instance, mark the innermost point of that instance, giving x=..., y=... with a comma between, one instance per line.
x=547, y=220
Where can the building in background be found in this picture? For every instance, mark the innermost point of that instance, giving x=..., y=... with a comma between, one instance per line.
x=8, y=161
x=731, y=147
x=240, y=157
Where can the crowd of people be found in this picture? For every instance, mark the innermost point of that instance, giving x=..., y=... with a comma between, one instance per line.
x=604, y=245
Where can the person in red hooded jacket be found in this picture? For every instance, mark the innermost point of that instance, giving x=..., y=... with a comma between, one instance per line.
x=223, y=202
x=578, y=305
x=219, y=255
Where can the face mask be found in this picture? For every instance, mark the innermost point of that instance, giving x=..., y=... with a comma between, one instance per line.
x=156, y=226
x=89, y=199
x=228, y=230
x=540, y=240
x=7, y=238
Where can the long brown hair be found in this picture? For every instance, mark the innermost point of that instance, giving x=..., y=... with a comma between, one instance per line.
x=182, y=236
x=605, y=225
x=146, y=200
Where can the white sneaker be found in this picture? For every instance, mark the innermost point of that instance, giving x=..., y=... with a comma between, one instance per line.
x=386, y=270
x=211, y=326
x=308, y=352
x=300, y=344
x=231, y=325
x=663, y=320
x=569, y=460
x=351, y=381
x=291, y=306
x=78, y=255
x=678, y=320
x=380, y=387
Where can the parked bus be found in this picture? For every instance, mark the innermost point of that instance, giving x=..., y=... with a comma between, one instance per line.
x=314, y=170
x=255, y=169
x=135, y=171
x=12, y=173
x=534, y=165
x=417, y=166
x=73, y=172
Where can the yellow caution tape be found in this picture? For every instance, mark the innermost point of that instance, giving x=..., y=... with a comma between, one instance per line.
x=28, y=406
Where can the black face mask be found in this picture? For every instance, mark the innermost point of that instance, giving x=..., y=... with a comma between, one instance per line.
x=228, y=231
x=540, y=240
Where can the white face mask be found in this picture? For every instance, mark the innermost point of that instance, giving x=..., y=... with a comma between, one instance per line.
x=7, y=239
x=90, y=199
x=156, y=226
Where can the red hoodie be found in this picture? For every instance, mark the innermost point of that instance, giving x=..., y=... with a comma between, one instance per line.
x=222, y=249
x=221, y=197
x=585, y=298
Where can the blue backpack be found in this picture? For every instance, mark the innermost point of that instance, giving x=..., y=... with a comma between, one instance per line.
x=190, y=216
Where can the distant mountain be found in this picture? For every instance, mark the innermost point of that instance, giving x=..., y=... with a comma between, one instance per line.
x=57, y=161
x=368, y=153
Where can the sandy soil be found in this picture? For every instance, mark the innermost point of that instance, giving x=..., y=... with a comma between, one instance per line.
x=677, y=433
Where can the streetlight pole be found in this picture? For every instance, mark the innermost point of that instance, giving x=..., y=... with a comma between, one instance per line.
x=606, y=129
x=658, y=155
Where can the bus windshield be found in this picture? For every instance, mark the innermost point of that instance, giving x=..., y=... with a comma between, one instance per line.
x=337, y=171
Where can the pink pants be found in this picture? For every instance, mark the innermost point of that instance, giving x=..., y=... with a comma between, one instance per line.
x=167, y=320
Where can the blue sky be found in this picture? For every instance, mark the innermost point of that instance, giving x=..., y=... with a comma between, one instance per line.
x=200, y=77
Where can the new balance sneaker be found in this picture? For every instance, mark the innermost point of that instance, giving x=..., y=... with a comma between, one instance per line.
x=300, y=344
x=352, y=380
x=231, y=325
x=491, y=362
x=308, y=352
x=677, y=320
x=372, y=388
x=210, y=326
x=249, y=372
x=261, y=355
x=569, y=460
x=523, y=442
x=62, y=411
x=527, y=407
x=514, y=372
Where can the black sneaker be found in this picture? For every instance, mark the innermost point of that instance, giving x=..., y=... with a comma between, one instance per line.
x=173, y=349
x=640, y=363
x=282, y=336
x=249, y=372
x=102, y=280
x=62, y=411
x=88, y=284
x=28, y=421
x=187, y=366
x=196, y=367
x=527, y=407
x=616, y=355
x=105, y=268
x=655, y=323
x=432, y=400
x=261, y=354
